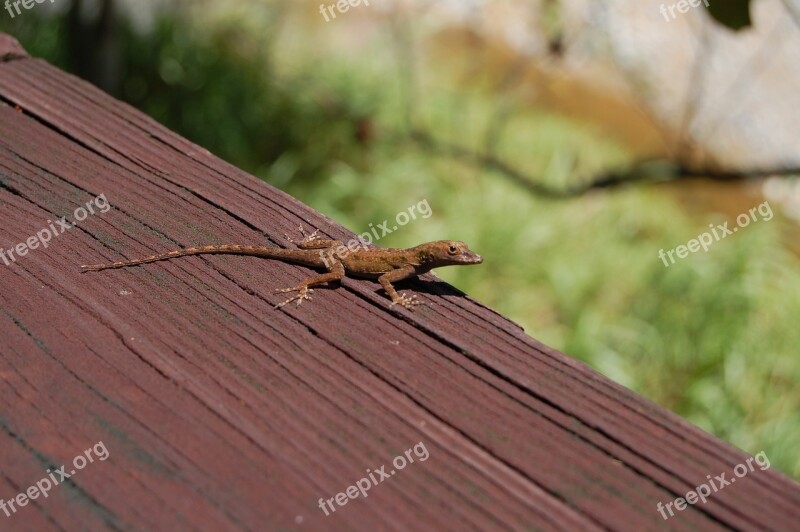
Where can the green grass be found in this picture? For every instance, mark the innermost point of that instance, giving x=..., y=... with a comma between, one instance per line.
x=712, y=337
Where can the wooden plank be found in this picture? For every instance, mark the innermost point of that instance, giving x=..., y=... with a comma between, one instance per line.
x=220, y=411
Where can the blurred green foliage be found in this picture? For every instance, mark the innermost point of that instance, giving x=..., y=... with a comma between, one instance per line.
x=712, y=337
x=217, y=87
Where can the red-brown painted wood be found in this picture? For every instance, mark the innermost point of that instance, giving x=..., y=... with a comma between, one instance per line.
x=220, y=412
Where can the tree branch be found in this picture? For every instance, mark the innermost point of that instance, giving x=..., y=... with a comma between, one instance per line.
x=646, y=171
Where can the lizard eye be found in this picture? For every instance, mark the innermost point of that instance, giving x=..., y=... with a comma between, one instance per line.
x=452, y=250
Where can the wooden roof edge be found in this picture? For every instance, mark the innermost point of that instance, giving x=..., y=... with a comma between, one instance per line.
x=10, y=48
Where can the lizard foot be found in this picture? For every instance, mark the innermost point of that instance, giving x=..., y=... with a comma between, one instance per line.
x=405, y=301
x=306, y=238
x=303, y=293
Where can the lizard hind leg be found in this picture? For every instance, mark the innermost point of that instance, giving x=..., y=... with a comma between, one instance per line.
x=303, y=293
x=313, y=241
x=306, y=238
x=304, y=289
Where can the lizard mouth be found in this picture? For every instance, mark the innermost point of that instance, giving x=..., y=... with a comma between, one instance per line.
x=470, y=257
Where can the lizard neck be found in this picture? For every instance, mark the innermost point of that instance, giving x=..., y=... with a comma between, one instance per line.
x=425, y=260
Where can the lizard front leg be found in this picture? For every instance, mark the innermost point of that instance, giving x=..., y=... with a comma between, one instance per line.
x=304, y=290
x=399, y=274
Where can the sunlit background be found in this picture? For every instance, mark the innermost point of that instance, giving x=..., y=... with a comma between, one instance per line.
x=567, y=141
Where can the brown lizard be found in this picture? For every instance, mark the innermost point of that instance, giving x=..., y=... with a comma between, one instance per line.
x=388, y=265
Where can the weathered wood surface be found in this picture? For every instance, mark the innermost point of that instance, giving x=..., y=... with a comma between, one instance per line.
x=220, y=412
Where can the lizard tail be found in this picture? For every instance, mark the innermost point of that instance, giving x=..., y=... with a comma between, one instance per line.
x=238, y=250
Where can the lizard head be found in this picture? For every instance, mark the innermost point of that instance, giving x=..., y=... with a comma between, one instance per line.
x=450, y=252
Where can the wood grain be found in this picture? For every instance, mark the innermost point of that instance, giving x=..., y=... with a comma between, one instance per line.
x=220, y=412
